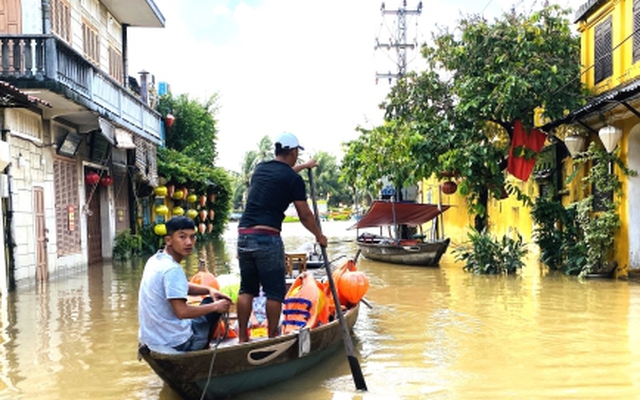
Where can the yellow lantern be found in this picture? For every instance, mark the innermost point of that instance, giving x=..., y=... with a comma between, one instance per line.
x=177, y=195
x=162, y=210
x=177, y=211
x=160, y=191
x=160, y=229
x=191, y=213
x=192, y=198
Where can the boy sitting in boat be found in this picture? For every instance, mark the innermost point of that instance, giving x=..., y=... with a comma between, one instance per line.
x=166, y=320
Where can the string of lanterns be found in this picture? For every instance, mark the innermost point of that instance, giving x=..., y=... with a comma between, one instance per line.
x=196, y=207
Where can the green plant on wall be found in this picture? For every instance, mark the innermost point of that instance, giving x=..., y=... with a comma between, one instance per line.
x=485, y=254
x=126, y=245
x=578, y=239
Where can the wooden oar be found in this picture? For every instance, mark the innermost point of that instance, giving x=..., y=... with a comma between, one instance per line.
x=358, y=378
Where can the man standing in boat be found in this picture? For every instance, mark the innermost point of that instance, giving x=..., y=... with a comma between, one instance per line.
x=274, y=185
x=166, y=320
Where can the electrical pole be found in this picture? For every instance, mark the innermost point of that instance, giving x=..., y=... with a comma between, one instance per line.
x=399, y=42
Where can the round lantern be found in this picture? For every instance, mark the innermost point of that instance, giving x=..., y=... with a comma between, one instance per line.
x=212, y=214
x=203, y=200
x=202, y=227
x=185, y=193
x=162, y=210
x=160, y=191
x=160, y=230
x=192, y=198
x=209, y=227
x=177, y=211
x=169, y=120
x=92, y=178
x=449, y=187
x=191, y=213
x=212, y=197
x=203, y=215
x=106, y=181
x=177, y=194
x=170, y=190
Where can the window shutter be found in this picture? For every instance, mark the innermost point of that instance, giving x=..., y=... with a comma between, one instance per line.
x=603, y=63
x=636, y=30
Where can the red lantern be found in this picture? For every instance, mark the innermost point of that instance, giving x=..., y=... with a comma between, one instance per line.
x=170, y=119
x=203, y=200
x=209, y=227
x=106, y=181
x=203, y=215
x=449, y=187
x=92, y=178
x=202, y=227
x=170, y=190
x=212, y=214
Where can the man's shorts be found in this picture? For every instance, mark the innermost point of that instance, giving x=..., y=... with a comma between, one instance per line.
x=261, y=259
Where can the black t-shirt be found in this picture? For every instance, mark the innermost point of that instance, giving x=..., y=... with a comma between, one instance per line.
x=274, y=185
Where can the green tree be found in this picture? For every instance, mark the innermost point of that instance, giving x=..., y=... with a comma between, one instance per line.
x=327, y=180
x=194, y=131
x=481, y=76
x=190, y=151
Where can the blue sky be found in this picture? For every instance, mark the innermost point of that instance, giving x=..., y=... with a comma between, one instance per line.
x=306, y=67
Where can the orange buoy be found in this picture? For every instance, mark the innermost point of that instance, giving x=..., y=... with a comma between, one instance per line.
x=204, y=277
x=351, y=284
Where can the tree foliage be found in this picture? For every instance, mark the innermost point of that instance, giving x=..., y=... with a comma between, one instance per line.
x=194, y=131
x=190, y=152
x=458, y=114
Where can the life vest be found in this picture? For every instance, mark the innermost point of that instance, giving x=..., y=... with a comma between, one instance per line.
x=305, y=305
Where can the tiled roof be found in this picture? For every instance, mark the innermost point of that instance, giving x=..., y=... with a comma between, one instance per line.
x=587, y=8
x=11, y=96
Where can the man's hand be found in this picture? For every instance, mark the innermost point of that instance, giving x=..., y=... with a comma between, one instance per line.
x=218, y=295
x=322, y=240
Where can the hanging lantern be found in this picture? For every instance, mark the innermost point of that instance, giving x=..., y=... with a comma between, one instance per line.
x=160, y=191
x=169, y=120
x=575, y=144
x=177, y=211
x=212, y=214
x=185, y=193
x=449, y=187
x=202, y=227
x=192, y=198
x=610, y=136
x=170, y=190
x=162, y=210
x=212, y=197
x=106, y=181
x=203, y=200
x=209, y=228
x=203, y=215
x=177, y=194
x=92, y=178
x=191, y=213
x=160, y=229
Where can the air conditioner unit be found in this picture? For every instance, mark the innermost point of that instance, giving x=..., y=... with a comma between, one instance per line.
x=4, y=185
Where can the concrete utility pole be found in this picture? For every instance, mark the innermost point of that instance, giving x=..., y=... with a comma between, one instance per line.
x=399, y=42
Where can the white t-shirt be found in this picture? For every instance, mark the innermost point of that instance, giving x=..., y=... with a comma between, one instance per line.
x=163, y=279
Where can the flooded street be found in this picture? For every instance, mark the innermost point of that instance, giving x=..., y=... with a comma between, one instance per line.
x=437, y=333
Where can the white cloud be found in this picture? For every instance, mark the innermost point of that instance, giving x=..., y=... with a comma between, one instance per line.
x=290, y=65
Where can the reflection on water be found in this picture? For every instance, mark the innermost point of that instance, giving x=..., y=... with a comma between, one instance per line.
x=434, y=333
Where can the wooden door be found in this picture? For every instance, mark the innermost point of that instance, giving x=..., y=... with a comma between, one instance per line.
x=94, y=226
x=10, y=17
x=42, y=268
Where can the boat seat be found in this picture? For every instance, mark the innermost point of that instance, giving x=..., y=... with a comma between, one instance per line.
x=294, y=258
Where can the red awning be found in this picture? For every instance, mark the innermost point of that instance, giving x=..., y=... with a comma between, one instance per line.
x=385, y=213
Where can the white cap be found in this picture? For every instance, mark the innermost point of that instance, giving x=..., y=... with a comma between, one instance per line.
x=287, y=141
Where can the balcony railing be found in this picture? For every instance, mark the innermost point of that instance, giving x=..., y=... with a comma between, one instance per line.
x=46, y=58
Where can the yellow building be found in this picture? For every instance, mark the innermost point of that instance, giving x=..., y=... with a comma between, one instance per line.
x=610, y=55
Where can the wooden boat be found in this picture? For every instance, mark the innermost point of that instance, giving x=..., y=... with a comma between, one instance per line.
x=237, y=368
x=414, y=251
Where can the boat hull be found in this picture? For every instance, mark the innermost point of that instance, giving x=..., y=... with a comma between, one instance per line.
x=423, y=254
x=244, y=367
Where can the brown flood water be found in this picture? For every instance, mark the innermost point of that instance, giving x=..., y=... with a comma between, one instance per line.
x=435, y=333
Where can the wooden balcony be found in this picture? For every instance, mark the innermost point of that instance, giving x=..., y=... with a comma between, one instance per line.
x=55, y=72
